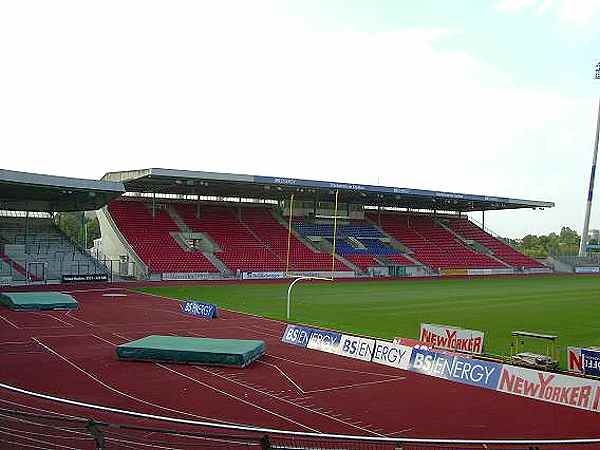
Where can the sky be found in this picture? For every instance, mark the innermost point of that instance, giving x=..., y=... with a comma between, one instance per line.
x=481, y=97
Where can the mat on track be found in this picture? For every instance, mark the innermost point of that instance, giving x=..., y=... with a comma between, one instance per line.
x=25, y=301
x=191, y=350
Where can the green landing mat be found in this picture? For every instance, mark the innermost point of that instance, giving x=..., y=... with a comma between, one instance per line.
x=25, y=301
x=191, y=350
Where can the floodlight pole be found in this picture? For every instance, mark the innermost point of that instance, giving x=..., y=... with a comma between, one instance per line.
x=588, y=207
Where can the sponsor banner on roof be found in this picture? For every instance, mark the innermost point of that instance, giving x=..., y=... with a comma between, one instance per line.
x=565, y=390
x=452, y=338
x=199, y=309
x=297, y=335
x=591, y=362
x=456, y=368
x=356, y=347
x=391, y=354
x=325, y=341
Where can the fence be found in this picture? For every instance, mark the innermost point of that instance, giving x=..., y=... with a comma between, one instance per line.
x=37, y=269
x=103, y=427
x=579, y=261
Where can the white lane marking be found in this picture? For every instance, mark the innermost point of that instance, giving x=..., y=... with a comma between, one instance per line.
x=39, y=425
x=283, y=400
x=55, y=318
x=254, y=405
x=341, y=369
x=347, y=386
x=22, y=444
x=23, y=405
x=71, y=316
x=9, y=322
x=124, y=394
x=48, y=445
x=406, y=430
x=104, y=340
x=96, y=290
x=22, y=353
x=46, y=336
x=285, y=375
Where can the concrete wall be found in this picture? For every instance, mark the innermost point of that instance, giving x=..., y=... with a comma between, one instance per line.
x=114, y=245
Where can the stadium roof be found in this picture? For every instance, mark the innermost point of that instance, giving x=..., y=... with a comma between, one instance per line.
x=22, y=191
x=168, y=181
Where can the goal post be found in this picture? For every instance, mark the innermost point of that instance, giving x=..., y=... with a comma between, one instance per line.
x=288, y=262
x=291, y=286
x=289, y=237
x=288, y=258
x=335, y=217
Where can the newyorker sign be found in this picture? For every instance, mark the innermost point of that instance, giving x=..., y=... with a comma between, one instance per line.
x=550, y=387
x=452, y=338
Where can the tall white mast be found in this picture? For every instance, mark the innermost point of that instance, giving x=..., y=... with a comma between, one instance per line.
x=588, y=206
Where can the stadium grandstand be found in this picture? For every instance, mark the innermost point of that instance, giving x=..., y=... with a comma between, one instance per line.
x=174, y=224
x=163, y=224
x=192, y=225
x=33, y=249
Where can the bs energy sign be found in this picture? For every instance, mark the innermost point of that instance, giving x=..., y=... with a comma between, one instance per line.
x=199, y=309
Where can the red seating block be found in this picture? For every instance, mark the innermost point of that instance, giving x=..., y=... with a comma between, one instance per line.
x=505, y=252
x=150, y=239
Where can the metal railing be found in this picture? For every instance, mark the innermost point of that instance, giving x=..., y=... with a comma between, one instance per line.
x=179, y=434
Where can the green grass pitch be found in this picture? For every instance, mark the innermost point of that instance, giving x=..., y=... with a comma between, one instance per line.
x=568, y=306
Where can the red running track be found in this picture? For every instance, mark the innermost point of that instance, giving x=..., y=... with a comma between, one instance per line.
x=72, y=355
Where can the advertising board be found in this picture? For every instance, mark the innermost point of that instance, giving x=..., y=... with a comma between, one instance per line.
x=456, y=368
x=325, y=341
x=171, y=276
x=574, y=363
x=391, y=354
x=199, y=309
x=566, y=390
x=452, y=338
x=296, y=335
x=356, y=347
x=84, y=277
x=590, y=362
x=454, y=272
x=262, y=275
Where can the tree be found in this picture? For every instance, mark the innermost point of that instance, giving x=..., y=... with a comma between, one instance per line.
x=565, y=243
x=568, y=236
x=70, y=224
